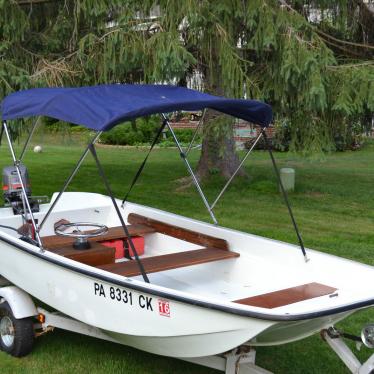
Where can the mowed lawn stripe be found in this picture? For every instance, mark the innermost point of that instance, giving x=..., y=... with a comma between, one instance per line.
x=333, y=204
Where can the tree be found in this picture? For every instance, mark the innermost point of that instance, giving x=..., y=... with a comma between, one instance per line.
x=312, y=60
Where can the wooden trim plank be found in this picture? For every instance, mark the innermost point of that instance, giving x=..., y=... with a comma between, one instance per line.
x=179, y=232
x=156, y=264
x=288, y=296
x=97, y=255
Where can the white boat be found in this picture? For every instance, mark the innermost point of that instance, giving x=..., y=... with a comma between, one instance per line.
x=198, y=289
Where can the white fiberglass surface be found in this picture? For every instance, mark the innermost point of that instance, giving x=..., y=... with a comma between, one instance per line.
x=263, y=266
x=240, y=278
x=73, y=206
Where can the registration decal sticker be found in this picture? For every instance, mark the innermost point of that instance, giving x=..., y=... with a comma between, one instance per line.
x=164, y=308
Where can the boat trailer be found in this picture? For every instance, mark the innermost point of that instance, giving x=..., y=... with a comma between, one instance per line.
x=240, y=360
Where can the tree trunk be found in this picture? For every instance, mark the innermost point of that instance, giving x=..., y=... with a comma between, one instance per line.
x=218, y=154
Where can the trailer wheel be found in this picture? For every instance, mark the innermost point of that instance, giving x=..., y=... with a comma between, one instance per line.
x=16, y=335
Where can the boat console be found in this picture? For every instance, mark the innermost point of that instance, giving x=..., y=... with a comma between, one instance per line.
x=103, y=257
x=97, y=254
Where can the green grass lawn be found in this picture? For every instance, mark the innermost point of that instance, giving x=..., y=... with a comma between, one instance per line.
x=333, y=204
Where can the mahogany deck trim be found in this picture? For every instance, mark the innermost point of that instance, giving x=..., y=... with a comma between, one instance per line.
x=170, y=261
x=96, y=255
x=288, y=296
x=179, y=232
x=56, y=241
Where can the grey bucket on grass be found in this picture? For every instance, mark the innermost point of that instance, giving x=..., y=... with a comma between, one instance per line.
x=287, y=176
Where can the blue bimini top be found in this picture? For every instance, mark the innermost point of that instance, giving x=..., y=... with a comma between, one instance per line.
x=102, y=107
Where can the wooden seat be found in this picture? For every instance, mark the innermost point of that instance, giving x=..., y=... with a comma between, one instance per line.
x=56, y=241
x=288, y=296
x=96, y=255
x=171, y=261
x=179, y=232
x=104, y=258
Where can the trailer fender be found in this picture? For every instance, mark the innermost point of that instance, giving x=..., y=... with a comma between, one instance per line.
x=19, y=301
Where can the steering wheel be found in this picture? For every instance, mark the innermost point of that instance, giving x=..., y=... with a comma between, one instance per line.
x=81, y=231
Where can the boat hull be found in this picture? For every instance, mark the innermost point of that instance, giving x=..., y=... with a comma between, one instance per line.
x=187, y=311
x=135, y=318
x=286, y=332
x=219, y=342
x=185, y=331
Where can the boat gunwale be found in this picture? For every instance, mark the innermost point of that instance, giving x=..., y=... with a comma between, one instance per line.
x=205, y=304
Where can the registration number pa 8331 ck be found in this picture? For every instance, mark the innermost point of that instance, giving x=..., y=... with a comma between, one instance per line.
x=122, y=295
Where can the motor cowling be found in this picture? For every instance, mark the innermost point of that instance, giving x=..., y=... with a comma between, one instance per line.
x=12, y=189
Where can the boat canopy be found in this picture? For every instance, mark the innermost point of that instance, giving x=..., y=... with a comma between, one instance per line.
x=104, y=106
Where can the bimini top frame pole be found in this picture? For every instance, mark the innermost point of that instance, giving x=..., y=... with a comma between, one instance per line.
x=24, y=194
x=70, y=178
x=195, y=133
x=237, y=169
x=285, y=196
x=107, y=185
x=102, y=107
x=189, y=168
x=210, y=208
x=91, y=148
x=166, y=123
x=31, y=133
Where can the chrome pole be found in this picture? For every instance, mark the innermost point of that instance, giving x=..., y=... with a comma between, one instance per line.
x=24, y=216
x=195, y=133
x=34, y=126
x=183, y=156
x=65, y=186
x=115, y=205
x=236, y=171
x=285, y=196
x=16, y=164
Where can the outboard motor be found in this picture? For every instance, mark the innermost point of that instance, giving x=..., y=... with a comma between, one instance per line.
x=13, y=190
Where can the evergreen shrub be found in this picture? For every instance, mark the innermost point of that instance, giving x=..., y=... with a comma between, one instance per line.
x=143, y=131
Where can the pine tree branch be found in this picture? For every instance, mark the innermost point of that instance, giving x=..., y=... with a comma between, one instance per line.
x=32, y=2
x=55, y=63
x=366, y=63
x=321, y=33
x=7, y=83
x=342, y=48
x=30, y=52
x=360, y=45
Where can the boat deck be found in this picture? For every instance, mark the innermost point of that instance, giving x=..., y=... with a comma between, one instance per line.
x=103, y=257
x=212, y=250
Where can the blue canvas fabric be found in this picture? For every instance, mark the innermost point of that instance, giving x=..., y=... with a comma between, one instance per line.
x=102, y=107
